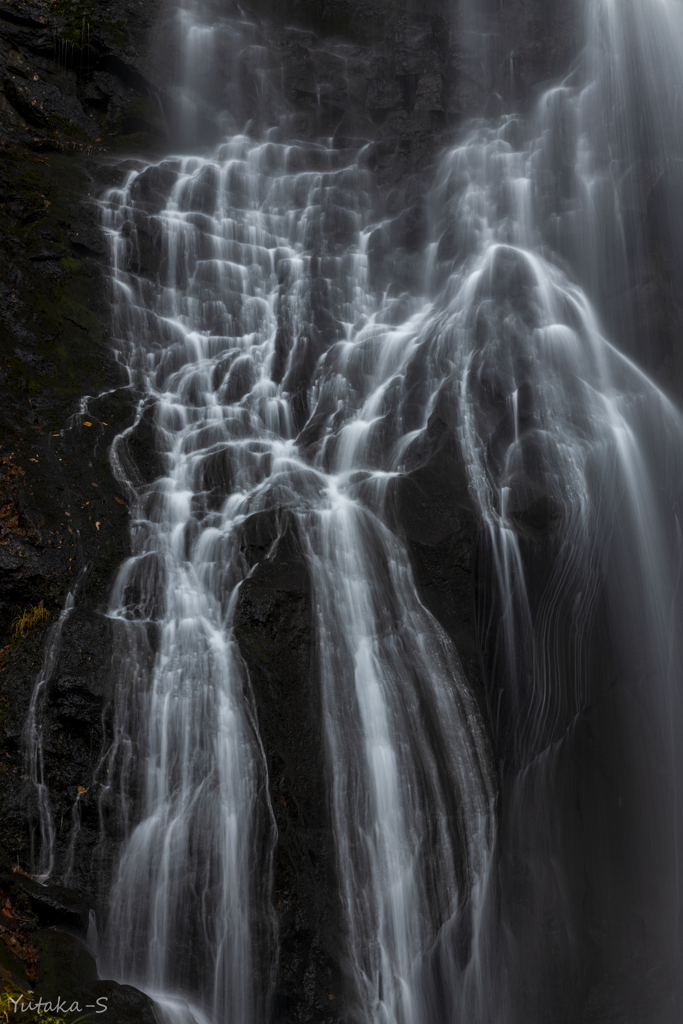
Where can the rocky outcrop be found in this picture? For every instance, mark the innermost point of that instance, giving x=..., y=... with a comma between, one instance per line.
x=432, y=508
x=64, y=519
x=274, y=630
x=44, y=958
x=74, y=75
x=63, y=529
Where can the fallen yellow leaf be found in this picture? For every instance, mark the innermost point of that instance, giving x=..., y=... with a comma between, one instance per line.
x=87, y=423
x=81, y=789
x=97, y=526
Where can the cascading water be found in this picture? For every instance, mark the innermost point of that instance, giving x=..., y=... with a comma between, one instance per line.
x=276, y=379
x=33, y=743
x=575, y=460
x=242, y=302
x=232, y=275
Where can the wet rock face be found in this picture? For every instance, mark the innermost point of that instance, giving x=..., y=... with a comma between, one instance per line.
x=96, y=75
x=644, y=311
x=62, y=514
x=75, y=74
x=44, y=959
x=274, y=631
x=63, y=523
x=530, y=44
x=415, y=68
x=434, y=511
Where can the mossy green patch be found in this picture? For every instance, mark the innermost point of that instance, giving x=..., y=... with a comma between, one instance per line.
x=116, y=32
x=77, y=17
x=81, y=18
x=70, y=264
x=61, y=125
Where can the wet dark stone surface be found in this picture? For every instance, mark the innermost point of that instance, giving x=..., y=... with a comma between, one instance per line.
x=434, y=511
x=63, y=514
x=274, y=631
x=53, y=905
x=76, y=77
x=44, y=959
x=63, y=523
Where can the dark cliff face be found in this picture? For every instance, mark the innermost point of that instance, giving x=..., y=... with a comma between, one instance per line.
x=82, y=85
x=64, y=518
x=274, y=630
x=75, y=74
x=64, y=526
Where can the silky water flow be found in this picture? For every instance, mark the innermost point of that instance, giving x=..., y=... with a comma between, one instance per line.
x=574, y=459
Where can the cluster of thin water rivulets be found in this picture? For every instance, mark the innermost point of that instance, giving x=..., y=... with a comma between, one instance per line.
x=409, y=767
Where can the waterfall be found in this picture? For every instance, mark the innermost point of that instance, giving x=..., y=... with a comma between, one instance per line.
x=475, y=859
x=387, y=670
